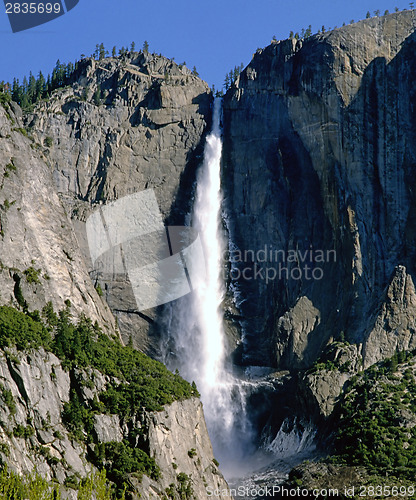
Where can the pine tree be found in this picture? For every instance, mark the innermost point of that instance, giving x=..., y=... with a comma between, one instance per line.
x=113, y=52
x=5, y=94
x=226, y=82
x=70, y=68
x=377, y=12
x=308, y=32
x=236, y=73
x=194, y=71
x=132, y=47
x=401, y=356
x=386, y=12
x=394, y=362
x=24, y=85
x=17, y=93
x=396, y=9
x=48, y=88
x=145, y=47
x=97, y=96
x=101, y=52
x=368, y=15
x=291, y=34
x=25, y=103
x=31, y=89
x=40, y=86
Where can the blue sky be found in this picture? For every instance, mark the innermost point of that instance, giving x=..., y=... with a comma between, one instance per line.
x=214, y=36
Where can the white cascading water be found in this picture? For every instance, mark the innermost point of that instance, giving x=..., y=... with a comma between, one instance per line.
x=214, y=382
x=197, y=325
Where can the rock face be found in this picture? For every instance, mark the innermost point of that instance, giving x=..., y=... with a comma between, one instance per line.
x=125, y=125
x=319, y=158
x=41, y=259
x=36, y=405
x=33, y=435
x=178, y=440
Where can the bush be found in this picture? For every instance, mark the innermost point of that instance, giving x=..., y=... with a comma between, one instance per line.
x=21, y=431
x=19, y=330
x=32, y=274
x=15, y=487
x=8, y=399
x=23, y=131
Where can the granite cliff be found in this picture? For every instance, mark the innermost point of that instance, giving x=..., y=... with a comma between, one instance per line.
x=319, y=158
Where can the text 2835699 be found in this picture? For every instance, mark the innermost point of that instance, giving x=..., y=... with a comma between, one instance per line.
x=33, y=8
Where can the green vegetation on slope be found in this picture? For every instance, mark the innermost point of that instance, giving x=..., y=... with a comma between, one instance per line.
x=377, y=419
x=34, y=487
x=137, y=383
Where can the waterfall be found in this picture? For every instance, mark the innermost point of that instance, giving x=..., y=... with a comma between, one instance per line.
x=210, y=293
x=195, y=323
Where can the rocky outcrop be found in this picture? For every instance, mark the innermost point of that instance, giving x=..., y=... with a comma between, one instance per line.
x=319, y=154
x=33, y=391
x=125, y=125
x=34, y=388
x=178, y=440
x=41, y=260
x=395, y=324
x=321, y=386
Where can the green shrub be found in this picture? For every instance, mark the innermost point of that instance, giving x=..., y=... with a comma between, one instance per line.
x=8, y=399
x=48, y=142
x=19, y=330
x=15, y=487
x=23, y=131
x=5, y=449
x=121, y=459
x=21, y=431
x=185, y=486
x=32, y=274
